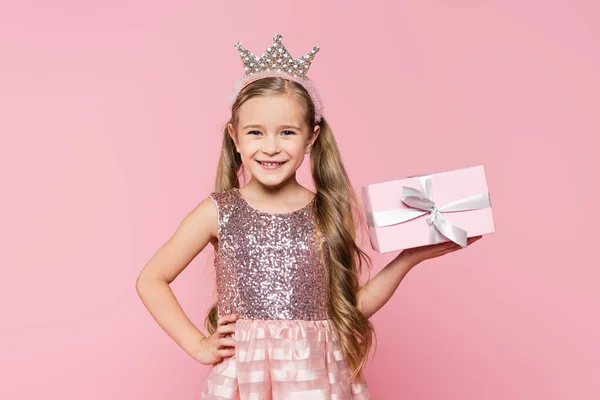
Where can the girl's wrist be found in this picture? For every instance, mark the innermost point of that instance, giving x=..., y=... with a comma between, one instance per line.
x=195, y=345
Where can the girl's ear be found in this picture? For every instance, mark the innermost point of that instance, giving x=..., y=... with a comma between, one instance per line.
x=313, y=138
x=232, y=136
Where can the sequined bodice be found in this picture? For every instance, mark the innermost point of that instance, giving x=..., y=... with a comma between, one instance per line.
x=268, y=266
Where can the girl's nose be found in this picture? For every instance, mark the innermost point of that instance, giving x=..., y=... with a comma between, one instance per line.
x=270, y=145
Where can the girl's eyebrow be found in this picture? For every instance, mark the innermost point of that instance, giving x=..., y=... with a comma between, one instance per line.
x=282, y=126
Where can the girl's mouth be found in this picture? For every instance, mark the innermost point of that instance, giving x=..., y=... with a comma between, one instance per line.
x=270, y=165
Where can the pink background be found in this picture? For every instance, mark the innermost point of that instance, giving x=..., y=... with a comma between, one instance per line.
x=111, y=115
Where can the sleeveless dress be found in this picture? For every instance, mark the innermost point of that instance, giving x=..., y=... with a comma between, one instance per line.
x=270, y=272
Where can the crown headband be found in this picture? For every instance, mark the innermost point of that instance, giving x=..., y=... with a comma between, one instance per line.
x=276, y=61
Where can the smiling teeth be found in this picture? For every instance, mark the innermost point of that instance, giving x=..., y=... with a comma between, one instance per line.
x=271, y=164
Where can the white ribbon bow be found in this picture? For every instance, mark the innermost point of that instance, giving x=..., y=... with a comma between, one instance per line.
x=422, y=203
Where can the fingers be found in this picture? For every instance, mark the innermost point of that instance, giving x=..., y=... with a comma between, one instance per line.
x=226, y=319
x=473, y=239
x=226, y=342
x=224, y=329
x=226, y=352
x=447, y=247
x=470, y=240
x=454, y=247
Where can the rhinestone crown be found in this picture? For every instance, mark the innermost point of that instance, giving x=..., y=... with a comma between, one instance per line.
x=276, y=58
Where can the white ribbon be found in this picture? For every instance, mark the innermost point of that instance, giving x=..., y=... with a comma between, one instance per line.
x=422, y=203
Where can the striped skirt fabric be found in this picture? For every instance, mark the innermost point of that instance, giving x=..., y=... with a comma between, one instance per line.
x=284, y=359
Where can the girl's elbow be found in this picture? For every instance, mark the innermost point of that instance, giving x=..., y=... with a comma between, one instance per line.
x=144, y=282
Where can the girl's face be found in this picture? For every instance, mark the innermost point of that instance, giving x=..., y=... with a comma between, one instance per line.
x=272, y=137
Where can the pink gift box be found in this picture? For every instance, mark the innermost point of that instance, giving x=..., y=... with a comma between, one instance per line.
x=464, y=190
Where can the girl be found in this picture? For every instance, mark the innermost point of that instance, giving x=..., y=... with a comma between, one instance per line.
x=291, y=320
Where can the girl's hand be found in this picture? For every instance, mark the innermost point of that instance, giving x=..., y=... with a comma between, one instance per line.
x=417, y=255
x=220, y=344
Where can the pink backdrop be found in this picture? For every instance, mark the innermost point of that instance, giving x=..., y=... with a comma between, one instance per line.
x=110, y=115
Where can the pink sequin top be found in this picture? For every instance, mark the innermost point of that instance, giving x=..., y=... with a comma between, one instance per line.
x=269, y=265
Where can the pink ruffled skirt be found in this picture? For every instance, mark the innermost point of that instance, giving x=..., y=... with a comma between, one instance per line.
x=284, y=359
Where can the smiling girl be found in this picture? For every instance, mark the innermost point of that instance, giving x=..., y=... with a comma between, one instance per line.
x=291, y=320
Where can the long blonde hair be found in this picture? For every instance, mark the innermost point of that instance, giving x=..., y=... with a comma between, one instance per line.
x=337, y=213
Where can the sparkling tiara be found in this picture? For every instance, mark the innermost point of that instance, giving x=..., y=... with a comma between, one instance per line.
x=276, y=61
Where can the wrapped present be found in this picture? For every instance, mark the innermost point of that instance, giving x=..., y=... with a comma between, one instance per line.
x=428, y=209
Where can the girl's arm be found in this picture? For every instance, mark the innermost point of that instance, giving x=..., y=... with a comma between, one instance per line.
x=375, y=293
x=197, y=229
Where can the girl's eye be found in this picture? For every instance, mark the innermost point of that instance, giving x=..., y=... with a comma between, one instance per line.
x=286, y=133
